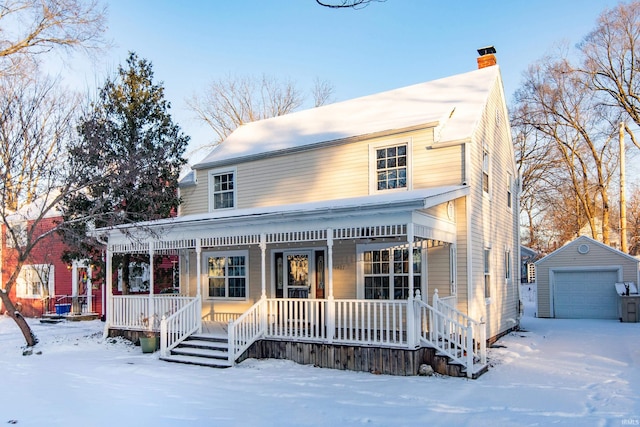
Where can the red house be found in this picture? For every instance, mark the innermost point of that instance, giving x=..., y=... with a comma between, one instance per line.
x=47, y=285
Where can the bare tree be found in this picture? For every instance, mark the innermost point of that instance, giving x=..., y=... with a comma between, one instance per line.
x=560, y=107
x=322, y=92
x=34, y=27
x=633, y=222
x=36, y=123
x=232, y=101
x=344, y=4
x=611, y=59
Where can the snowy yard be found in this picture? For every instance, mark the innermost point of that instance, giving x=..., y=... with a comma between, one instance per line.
x=562, y=372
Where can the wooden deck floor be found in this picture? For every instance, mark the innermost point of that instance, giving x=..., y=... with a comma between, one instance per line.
x=215, y=329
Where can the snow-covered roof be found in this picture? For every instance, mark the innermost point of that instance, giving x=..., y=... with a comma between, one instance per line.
x=416, y=199
x=453, y=103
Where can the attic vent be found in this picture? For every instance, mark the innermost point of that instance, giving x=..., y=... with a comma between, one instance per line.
x=583, y=249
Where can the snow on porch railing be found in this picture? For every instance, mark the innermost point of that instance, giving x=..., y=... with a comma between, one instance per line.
x=247, y=329
x=371, y=322
x=179, y=325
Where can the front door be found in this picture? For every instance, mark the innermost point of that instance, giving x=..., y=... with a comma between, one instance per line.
x=297, y=282
x=293, y=274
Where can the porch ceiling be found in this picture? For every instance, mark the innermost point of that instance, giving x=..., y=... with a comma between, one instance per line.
x=371, y=216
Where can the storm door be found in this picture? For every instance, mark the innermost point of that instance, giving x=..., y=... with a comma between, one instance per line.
x=293, y=274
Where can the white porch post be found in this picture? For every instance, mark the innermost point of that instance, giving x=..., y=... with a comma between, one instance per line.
x=263, y=267
x=198, y=267
x=74, y=278
x=109, y=291
x=331, y=308
x=89, y=289
x=152, y=312
x=411, y=318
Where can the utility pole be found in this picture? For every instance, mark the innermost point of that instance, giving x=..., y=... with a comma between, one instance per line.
x=623, y=198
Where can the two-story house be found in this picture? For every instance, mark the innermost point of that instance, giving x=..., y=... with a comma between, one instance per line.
x=355, y=235
x=46, y=285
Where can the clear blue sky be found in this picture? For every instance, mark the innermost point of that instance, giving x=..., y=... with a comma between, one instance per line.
x=360, y=52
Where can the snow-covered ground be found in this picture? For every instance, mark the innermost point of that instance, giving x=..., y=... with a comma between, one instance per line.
x=562, y=372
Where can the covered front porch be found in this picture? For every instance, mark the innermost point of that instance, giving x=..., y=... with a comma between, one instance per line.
x=379, y=298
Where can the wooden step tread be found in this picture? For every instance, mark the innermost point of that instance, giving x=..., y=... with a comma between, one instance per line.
x=194, y=360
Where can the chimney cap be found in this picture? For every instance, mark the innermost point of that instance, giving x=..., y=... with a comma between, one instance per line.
x=486, y=50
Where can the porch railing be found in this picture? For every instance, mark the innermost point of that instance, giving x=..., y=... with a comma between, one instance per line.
x=142, y=312
x=447, y=307
x=296, y=318
x=179, y=325
x=371, y=322
x=452, y=333
x=247, y=329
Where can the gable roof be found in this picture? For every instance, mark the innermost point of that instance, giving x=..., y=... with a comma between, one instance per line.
x=582, y=240
x=454, y=104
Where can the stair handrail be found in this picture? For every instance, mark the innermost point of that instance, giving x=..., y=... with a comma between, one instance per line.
x=479, y=327
x=179, y=325
x=449, y=337
x=247, y=329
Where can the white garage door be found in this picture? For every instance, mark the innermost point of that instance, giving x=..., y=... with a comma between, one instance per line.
x=585, y=295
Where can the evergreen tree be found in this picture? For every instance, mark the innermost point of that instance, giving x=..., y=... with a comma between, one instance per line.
x=130, y=153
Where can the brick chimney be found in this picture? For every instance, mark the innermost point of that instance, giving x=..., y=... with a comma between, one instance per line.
x=487, y=57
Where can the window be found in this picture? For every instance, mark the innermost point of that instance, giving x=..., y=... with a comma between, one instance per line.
x=509, y=191
x=507, y=264
x=222, y=190
x=391, y=166
x=227, y=274
x=20, y=231
x=35, y=281
x=485, y=171
x=139, y=277
x=487, y=273
x=386, y=272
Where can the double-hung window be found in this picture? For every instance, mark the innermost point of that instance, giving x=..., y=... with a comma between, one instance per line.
x=222, y=189
x=391, y=167
x=485, y=171
x=227, y=274
x=487, y=273
x=385, y=272
x=509, y=190
x=35, y=281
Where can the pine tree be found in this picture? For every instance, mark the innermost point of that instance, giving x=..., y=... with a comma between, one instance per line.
x=130, y=153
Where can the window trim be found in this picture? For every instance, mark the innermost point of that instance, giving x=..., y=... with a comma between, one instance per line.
x=373, y=170
x=222, y=171
x=508, y=265
x=20, y=227
x=509, y=191
x=226, y=255
x=365, y=247
x=486, y=259
x=21, y=284
x=486, y=170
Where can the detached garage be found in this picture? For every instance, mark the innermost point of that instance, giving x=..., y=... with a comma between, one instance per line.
x=578, y=280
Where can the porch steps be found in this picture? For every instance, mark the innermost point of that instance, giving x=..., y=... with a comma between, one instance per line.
x=202, y=349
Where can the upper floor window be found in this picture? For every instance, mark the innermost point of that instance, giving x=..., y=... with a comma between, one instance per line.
x=509, y=191
x=222, y=189
x=485, y=170
x=35, y=281
x=391, y=166
x=17, y=236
